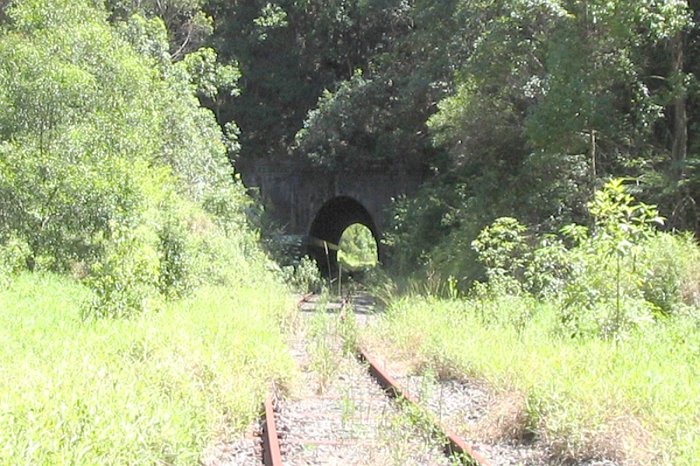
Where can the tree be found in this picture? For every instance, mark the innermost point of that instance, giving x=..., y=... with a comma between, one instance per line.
x=289, y=52
x=97, y=139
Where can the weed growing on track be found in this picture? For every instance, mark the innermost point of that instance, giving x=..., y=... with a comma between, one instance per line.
x=154, y=389
x=634, y=399
x=348, y=408
x=324, y=357
x=346, y=328
x=331, y=336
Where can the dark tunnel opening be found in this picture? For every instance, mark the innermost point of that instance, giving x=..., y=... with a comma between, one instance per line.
x=329, y=224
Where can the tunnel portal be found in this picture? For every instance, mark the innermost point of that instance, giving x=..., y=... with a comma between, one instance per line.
x=329, y=224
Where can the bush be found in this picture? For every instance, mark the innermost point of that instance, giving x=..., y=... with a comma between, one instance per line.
x=303, y=277
x=619, y=275
x=13, y=257
x=547, y=269
x=125, y=281
x=501, y=247
x=670, y=263
x=106, y=165
x=175, y=279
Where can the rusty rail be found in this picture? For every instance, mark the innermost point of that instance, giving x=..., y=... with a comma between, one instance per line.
x=453, y=443
x=272, y=456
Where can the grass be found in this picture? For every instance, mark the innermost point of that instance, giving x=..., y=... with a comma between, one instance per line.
x=636, y=400
x=330, y=336
x=156, y=389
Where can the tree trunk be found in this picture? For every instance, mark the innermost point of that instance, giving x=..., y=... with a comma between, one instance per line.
x=594, y=169
x=679, y=150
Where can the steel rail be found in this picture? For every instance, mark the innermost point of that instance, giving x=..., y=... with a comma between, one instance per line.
x=453, y=443
x=272, y=455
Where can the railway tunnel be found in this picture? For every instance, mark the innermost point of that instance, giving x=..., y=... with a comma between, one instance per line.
x=332, y=219
x=312, y=203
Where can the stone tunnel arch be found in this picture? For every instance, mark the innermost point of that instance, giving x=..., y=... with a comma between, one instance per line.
x=332, y=219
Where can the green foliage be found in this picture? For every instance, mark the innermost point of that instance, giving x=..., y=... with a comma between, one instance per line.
x=125, y=281
x=208, y=76
x=605, y=280
x=620, y=275
x=420, y=223
x=619, y=220
x=543, y=101
x=175, y=277
x=160, y=387
x=147, y=36
x=13, y=259
x=606, y=273
x=72, y=121
x=303, y=277
x=501, y=247
x=187, y=26
x=341, y=128
x=107, y=164
x=632, y=400
x=547, y=268
x=332, y=39
x=358, y=248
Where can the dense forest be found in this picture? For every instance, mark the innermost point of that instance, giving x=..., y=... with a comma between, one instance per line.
x=545, y=98
x=142, y=318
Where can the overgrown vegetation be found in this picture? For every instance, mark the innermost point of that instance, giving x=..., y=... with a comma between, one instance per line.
x=593, y=328
x=159, y=387
x=125, y=247
x=627, y=400
x=110, y=169
x=140, y=323
x=358, y=248
x=620, y=274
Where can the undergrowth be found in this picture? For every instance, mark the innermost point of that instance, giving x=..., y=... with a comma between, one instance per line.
x=157, y=388
x=579, y=392
x=595, y=328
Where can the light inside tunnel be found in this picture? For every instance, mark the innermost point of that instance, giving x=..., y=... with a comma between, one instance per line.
x=358, y=248
x=331, y=221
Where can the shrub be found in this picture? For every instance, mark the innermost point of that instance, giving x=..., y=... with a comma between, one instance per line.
x=175, y=279
x=303, y=277
x=618, y=275
x=501, y=247
x=125, y=281
x=104, y=163
x=547, y=269
x=669, y=263
x=13, y=257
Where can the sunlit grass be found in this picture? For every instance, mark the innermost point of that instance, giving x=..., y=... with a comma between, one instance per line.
x=641, y=394
x=157, y=388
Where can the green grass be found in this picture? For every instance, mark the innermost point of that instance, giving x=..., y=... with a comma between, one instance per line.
x=154, y=389
x=641, y=394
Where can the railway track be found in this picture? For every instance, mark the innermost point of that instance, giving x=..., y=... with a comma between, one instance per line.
x=357, y=415
x=357, y=408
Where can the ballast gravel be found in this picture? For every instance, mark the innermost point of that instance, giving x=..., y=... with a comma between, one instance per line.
x=461, y=404
x=243, y=451
x=347, y=419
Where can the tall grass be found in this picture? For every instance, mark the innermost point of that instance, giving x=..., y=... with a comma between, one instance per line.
x=157, y=388
x=635, y=400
